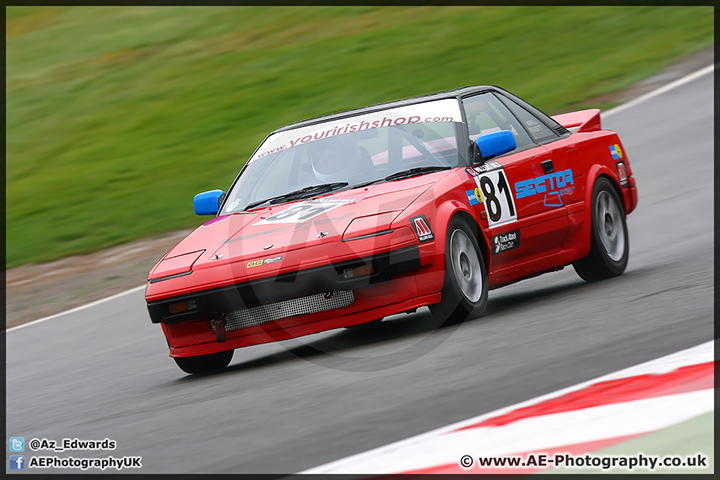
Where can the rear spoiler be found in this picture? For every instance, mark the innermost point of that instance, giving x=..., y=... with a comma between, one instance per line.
x=581, y=121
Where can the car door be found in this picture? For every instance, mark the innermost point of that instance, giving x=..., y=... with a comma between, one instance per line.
x=561, y=178
x=527, y=219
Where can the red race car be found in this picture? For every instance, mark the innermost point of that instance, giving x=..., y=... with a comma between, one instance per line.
x=430, y=201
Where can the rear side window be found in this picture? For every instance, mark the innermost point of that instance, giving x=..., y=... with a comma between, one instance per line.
x=486, y=114
x=539, y=132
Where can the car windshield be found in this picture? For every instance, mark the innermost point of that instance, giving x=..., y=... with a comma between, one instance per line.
x=349, y=152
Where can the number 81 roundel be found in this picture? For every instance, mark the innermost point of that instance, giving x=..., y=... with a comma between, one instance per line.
x=497, y=196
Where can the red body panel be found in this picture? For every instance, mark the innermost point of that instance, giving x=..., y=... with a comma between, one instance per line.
x=196, y=337
x=548, y=188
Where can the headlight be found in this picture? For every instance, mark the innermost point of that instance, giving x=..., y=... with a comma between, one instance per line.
x=370, y=226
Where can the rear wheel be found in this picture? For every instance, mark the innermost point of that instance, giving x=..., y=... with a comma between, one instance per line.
x=609, y=242
x=465, y=292
x=213, y=362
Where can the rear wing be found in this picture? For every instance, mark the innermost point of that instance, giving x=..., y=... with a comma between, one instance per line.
x=581, y=121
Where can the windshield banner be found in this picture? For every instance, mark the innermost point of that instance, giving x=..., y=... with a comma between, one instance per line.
x=446, y=110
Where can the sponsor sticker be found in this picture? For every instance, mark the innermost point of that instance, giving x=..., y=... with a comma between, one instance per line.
x=446, y=110
x=303, y=225
x=476, y=170
x=474, y=196
x=264, y=261
x=272, y=260
x=616, y=152
x=422, y=228
x=506, y=241
x=305, y=210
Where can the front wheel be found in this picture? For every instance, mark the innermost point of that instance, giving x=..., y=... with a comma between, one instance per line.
x=609, y=242
x=465, y=292
x=213, y=362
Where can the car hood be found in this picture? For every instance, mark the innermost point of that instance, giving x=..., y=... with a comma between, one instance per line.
x=266, y=234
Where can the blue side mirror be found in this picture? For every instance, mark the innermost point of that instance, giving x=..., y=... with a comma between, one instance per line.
x=207, y=203
x=496, y=143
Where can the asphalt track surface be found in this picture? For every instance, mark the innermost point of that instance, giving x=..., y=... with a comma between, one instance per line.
x=103, y=371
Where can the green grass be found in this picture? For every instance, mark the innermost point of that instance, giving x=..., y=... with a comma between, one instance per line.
x=685, y=440
x=117, y=116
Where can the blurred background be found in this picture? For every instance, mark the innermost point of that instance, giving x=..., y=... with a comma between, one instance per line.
x=117, y=116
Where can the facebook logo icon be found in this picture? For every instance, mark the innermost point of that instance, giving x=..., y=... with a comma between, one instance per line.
x=17, y=462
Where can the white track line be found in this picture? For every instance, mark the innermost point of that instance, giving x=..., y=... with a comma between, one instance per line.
x=632, y=103
x=659, y=91
x=76, y=309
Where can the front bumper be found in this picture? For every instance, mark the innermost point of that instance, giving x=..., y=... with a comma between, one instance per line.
x=217, y=302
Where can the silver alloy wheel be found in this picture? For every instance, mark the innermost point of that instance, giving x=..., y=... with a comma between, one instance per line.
x=609, y=226
x=466, y=265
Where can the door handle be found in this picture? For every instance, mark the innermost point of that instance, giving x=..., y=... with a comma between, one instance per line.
x=548, y=166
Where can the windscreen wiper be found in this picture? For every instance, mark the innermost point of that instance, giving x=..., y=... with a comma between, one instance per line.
x=415, y=172
x=404, y=174
x=365, y=184
x=303, y=192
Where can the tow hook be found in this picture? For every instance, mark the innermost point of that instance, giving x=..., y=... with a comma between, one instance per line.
x=219, y=327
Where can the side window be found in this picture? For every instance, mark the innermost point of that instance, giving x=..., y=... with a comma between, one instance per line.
x=486, y=114
x=538, y=130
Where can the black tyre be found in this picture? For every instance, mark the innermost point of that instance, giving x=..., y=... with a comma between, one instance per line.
x=213, y=362
x=465, y=292
x=609, y=240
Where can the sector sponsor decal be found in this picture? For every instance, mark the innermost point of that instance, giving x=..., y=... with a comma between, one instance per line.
x=616, y=152
x=506, y=241
x=264, y=261
x=554, y=185
x=474, y=196
x=303, y=211
x=422, y=228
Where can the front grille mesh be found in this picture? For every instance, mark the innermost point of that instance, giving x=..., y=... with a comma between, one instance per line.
x=250, y=317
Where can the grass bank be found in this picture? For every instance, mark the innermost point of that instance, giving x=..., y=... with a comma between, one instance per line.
x=117, y=116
